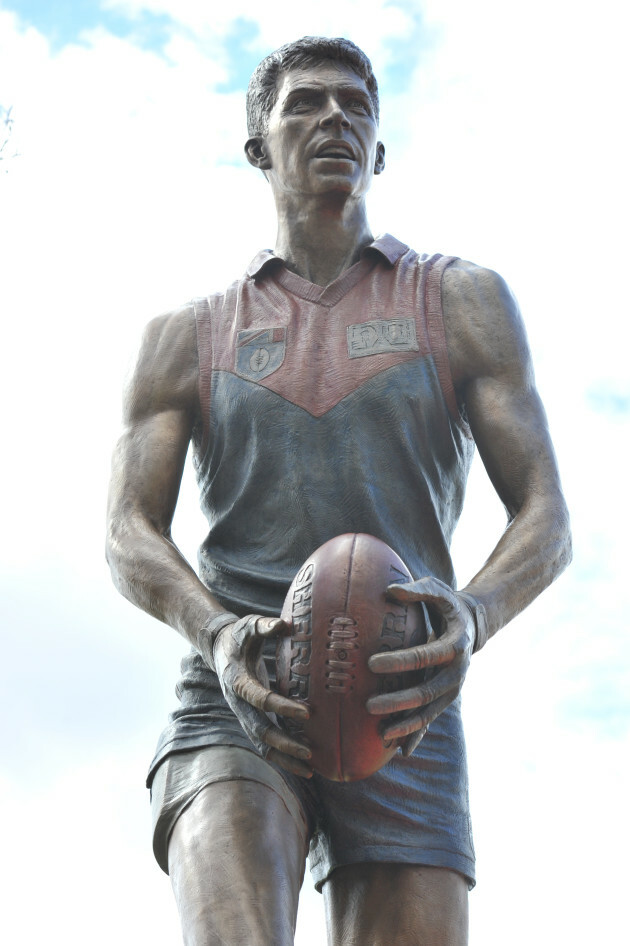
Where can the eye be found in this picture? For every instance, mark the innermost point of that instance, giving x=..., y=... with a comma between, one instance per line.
x=358, y=105
x=302, y=103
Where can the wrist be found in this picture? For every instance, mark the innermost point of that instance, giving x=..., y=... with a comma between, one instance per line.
x=479, y=617
x=209, y=633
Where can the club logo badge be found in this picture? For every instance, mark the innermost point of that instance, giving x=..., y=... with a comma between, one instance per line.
x=260, y=352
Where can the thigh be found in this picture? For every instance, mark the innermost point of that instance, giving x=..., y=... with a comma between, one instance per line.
x=236, y=860
x=380, y=904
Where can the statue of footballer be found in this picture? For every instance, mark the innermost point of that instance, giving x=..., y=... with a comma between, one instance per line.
x=338, y=388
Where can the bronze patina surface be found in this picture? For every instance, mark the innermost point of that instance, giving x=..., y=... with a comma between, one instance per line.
x=236, y=853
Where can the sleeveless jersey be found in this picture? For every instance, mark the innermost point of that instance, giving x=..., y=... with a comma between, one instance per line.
x=324, y=411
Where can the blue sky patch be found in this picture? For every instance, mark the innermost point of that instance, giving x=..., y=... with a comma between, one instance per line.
x=243, y=54
x=609, y=399
x=600, y=702
x=63, y=21
x=406, y=52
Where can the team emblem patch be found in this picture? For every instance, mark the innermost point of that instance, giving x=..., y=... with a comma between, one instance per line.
x=382, y=336
x=260, y=352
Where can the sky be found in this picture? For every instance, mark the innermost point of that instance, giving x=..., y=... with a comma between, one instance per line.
x=124, y=192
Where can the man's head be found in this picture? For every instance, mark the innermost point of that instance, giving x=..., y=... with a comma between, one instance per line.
x=303, y=53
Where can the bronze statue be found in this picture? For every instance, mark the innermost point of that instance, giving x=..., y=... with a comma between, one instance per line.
x=339, y=386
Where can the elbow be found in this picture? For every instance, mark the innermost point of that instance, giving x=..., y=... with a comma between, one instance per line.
x=109, y=546
x=565, y=542
x=568, y=549
x=111, y=557
x=113, y=560
x=122, y=566
x=116, y=554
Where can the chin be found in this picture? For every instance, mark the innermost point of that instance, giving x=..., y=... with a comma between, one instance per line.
x=340, y=183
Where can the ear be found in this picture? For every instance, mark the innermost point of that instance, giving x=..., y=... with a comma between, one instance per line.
x=256, y=154
x=379, y=164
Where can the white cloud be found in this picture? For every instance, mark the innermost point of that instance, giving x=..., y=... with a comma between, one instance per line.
x=329, y=19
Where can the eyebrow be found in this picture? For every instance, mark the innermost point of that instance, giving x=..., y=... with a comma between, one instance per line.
x=319, y=89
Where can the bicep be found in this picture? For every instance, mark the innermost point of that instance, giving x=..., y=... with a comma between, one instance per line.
x=495, y=380
x=160, y=411
x=509, y=424
x=147, y=468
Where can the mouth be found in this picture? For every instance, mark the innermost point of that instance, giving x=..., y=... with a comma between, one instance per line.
x=337, y=150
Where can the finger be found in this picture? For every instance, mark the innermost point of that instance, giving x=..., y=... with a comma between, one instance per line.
x=283, y=742
x=283, y=706
x=289, y=763
x=438, y=652
x=413, y=697
x=416, y=590
x=417, y=721
x=263, y=733
x=412, y=742
x=430, y=590
x=272, y=627
x=253, y=692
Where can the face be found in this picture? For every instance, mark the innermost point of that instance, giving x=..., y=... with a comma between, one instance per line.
x=321, y=136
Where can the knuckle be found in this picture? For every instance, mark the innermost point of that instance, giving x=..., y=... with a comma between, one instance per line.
x=264, y=626
x=238, y=683
x=430, y=695
x=420, y=721
x=460, y=646
x=419, y=658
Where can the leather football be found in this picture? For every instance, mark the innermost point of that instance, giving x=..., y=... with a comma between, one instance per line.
x=339, y=615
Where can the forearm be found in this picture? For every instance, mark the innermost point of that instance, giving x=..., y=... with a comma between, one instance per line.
x=534, y=549
x=150, y=571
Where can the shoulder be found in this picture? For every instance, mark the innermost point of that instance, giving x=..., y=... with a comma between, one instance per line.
x=485, y=333
x=167, y=366
x=170, y=337
x=467, y=283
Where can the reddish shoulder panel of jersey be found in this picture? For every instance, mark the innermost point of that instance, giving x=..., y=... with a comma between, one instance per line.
x=313, y=346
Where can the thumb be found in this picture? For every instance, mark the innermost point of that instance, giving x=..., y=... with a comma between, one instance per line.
x=271, y=627
x=401, y=593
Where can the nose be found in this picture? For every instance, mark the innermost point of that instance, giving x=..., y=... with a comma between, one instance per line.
x=334, y=115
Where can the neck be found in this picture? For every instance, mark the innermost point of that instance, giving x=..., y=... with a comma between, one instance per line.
x=319, y=241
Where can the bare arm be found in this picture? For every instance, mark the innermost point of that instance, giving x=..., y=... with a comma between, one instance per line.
x=494, y=380
x=160, y=412
x=493, y=374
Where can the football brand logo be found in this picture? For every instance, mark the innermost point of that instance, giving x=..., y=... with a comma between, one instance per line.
x=260, y=352
x=342, y=643
x=301, y=638
x=382, y=336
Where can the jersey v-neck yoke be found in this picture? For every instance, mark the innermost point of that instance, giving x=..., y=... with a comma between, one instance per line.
x=385, y=247
x=331, y=294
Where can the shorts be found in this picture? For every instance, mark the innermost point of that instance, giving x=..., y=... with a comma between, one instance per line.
x=413, y=811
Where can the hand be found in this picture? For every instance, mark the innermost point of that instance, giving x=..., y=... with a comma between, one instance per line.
x=449, y=656
x=237, y=658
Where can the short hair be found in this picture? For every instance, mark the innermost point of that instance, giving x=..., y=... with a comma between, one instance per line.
x=262, y=92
